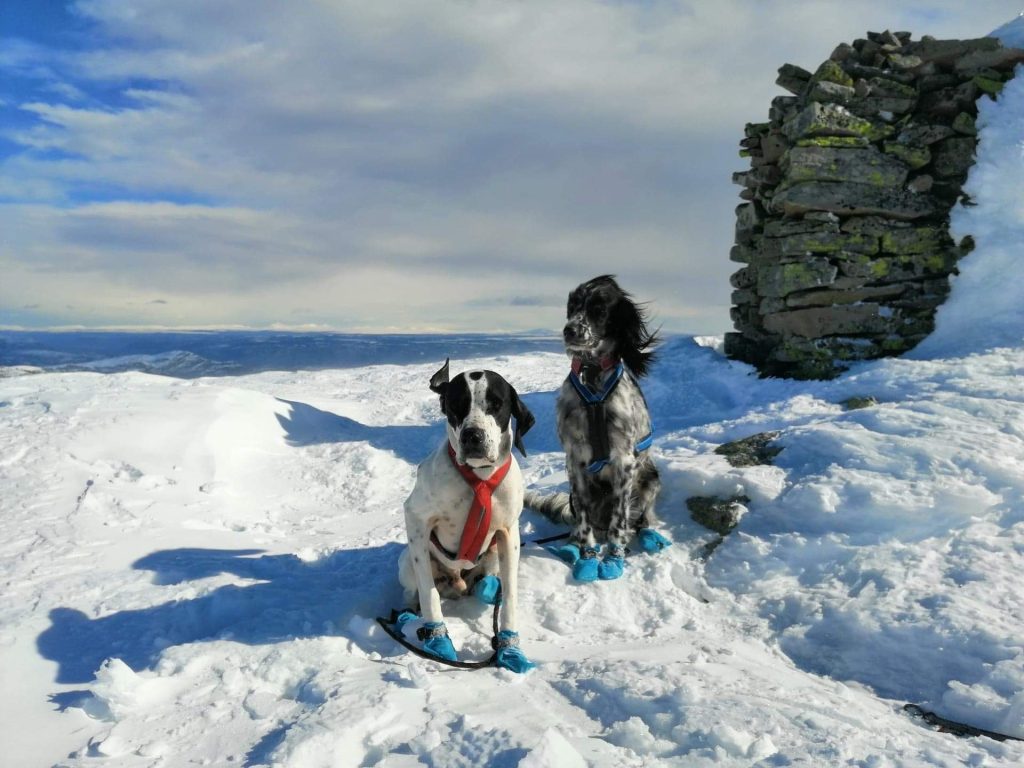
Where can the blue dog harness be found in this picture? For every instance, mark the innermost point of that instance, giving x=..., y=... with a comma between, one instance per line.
x=597, y=424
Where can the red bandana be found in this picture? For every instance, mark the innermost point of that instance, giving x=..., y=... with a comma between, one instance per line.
x=478, y=522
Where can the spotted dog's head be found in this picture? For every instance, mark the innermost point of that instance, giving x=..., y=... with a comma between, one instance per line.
x=604, y=321
x=479, y=406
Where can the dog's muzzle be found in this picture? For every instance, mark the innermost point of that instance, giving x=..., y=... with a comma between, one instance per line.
x=473, y=442
x=576, y=334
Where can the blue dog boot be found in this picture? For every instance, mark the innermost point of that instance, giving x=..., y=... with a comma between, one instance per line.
x=434, y=636
x=404, y=618
x=651, y=541
x=487, y=590
x=585, y=569
x=612, y=563
x=509, y=655
x=568, y=553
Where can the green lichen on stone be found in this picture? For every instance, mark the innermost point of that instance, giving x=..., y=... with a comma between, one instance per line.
x=988, y=85
x=834, y=120
x=854, y=349
x=877, y=179
x=915, y=157
x=964, y=123
x=873, y=131
x=859, y=165
x=784, y=279
x=877, y=131
x=925, y=263
x=880, y=268
x=833, y=141
x=744, y=153
x=829, y=242
x=798, y=350
x=895, y=344
x=916, y=240
x=751, y=130
x=831, y=72
x=884, y=86
x=818, y=370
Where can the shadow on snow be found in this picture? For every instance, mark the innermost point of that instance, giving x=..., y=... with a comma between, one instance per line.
x=306, y=425
x=291, y=599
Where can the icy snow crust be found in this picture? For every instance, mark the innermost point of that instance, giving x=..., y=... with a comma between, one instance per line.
x=191, y=567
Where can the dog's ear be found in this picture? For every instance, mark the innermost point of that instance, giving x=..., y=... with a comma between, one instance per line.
x=439, y=382
x=524, y=420
x=634, y=343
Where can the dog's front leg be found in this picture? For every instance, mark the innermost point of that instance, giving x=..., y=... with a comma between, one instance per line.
x=581, y=551
x=619, y=529
x=582, y=535
x=507, y=641
x=508, y=567
x=433, y=633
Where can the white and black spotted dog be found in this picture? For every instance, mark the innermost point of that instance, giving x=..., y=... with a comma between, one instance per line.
x=605, y=428
x=462, y=517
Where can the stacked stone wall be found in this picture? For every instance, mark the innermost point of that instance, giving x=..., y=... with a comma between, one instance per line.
x=844, y=235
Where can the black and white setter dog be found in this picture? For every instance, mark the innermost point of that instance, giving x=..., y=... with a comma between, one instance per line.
x=605, y=429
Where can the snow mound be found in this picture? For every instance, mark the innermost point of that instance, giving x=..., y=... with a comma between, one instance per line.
x=1012, y=33
x=985, y=310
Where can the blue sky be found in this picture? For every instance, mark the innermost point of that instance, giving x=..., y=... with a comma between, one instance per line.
x=390, y=166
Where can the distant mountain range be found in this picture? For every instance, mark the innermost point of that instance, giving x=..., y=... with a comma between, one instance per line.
x=193, y=354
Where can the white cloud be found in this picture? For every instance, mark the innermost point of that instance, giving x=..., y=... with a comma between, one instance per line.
x=322, y=155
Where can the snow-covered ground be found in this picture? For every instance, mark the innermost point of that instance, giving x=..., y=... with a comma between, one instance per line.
x=191, y=567
x=191, y=570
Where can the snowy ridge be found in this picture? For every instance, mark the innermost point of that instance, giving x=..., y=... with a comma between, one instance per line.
x=178, y=363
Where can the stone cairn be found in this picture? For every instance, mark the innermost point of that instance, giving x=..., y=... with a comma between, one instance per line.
x=845, y=232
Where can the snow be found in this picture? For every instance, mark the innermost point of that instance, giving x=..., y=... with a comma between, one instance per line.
x=193, y=567
x=1012, y=32
x=191, y=564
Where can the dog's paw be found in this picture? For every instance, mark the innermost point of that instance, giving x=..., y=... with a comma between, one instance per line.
x=585, y=569
x=488, y=589
x=404, y=618
x=509, y=656
x=612, y=564
x=651, y=541
x=435, y=639
x=569, y=553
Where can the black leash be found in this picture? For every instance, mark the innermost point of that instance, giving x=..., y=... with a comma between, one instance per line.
x=953, y=727
x=388, y=625
x=549, y=539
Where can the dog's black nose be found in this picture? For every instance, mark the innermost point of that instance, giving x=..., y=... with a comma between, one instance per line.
x=472, y=437
x=570, y=332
